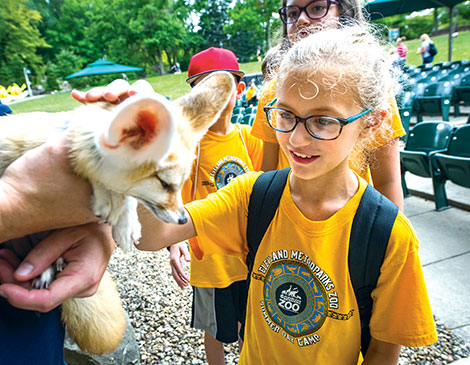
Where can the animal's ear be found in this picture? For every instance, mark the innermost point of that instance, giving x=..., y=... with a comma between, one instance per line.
x=202, y=106
x=142, y=124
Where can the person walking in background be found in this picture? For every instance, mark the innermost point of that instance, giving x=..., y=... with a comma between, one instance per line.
x=402, y=50
x=427, y=49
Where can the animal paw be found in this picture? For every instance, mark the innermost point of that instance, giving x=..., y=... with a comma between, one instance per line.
x=45, y=279
x=60, y=264
x=126, y=236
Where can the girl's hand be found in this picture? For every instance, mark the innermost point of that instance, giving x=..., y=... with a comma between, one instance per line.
x=115, y=92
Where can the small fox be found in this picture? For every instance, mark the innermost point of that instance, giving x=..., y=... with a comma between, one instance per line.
x=139, y=151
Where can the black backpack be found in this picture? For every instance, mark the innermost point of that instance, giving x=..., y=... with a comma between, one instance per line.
x=370, y=233
x=432, y=49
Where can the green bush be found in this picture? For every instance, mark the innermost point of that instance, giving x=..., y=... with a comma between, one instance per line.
x=417, y=25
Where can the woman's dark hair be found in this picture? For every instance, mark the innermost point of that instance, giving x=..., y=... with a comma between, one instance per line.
x=349, y=9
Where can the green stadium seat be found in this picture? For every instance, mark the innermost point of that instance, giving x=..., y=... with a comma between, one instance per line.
x=435, y=100
x=424, y=140
x=405, y=103
x=236, y=118
x=238, y=110
x=462, y=94
x=453, y=164
x=248, y=119
x=250, y=110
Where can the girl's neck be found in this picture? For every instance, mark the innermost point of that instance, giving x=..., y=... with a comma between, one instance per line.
x=318, y=199
x=222, y=126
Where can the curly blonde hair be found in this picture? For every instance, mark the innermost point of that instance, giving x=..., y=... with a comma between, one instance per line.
x=351, y=60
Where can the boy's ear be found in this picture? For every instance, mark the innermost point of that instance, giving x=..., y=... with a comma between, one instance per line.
x=202, y=106
x=240, y=89
x=143, y=125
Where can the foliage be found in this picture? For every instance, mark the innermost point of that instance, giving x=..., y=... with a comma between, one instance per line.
x=57, y=37
x=255, y=17
x=65, y=64
x=19, y=40
x=213, y=17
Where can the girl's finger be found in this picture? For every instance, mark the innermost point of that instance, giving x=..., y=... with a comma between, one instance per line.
x=140, y=86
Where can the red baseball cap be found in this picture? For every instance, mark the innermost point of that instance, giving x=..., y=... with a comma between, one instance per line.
x=213, y=59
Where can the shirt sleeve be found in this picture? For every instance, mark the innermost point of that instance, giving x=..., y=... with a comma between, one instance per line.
x=261, y=128
x=255, y=148
x=402, y=311
x=220, y=219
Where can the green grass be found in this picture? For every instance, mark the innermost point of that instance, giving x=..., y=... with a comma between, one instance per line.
x=461, y=50
x=173, y=86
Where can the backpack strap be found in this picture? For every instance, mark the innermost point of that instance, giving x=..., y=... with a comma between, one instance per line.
x=368, y=243
x=264, y=201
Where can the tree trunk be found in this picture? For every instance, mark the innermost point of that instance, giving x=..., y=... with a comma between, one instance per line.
x=268, y=34
x=160, y=69
x=453, y=14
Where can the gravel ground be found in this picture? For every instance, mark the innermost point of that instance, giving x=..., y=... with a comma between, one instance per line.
x=160, y=313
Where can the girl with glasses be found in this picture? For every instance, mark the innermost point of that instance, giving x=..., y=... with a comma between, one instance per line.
x=301, y=304
x=300, y=18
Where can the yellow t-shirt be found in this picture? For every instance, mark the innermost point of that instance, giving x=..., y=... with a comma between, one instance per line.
x=221, y=159
x=301, y=304
x=250, y=93
x=262, y=130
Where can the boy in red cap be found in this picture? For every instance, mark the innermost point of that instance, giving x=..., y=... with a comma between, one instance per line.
x=226, y=151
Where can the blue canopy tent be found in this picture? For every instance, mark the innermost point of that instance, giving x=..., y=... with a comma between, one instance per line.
x=101, y=67
x=383, y=8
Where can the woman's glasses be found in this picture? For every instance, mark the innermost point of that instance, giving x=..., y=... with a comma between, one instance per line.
x=319, y=127
x=315, y=10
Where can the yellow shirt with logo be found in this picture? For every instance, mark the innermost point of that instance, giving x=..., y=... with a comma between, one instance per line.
x=301, y=304
x=221, y=159
x=262, y=130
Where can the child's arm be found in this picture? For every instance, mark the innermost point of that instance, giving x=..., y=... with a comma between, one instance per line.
x=386, y=176
x=270, y=156
x=157, y=234
x=382, y=353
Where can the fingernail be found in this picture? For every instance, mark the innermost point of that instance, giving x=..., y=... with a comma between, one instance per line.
x=24, y=269
x=2, y=294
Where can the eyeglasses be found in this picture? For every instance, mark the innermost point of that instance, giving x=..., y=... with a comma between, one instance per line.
x=319, y=127
x=315, y=10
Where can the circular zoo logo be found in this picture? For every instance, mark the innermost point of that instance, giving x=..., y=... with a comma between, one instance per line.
x=294, y=298
x=227, y=172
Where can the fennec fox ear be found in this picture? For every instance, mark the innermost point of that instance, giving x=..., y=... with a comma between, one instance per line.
x=143, y=124
x=202, y=106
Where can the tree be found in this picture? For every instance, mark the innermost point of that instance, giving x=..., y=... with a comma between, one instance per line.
x=19, y=40
x=156, y=30
x=256, y=18
x=213, y=17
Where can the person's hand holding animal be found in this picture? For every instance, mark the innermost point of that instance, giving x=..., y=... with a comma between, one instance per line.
x=42, y=181
x=87, y=250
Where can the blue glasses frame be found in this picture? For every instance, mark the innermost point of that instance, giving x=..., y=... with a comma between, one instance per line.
x=342, y=121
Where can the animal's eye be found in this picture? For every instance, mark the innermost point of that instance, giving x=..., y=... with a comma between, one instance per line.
x=165, y=185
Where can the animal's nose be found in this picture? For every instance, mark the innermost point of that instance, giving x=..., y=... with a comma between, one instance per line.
x=182, y=220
